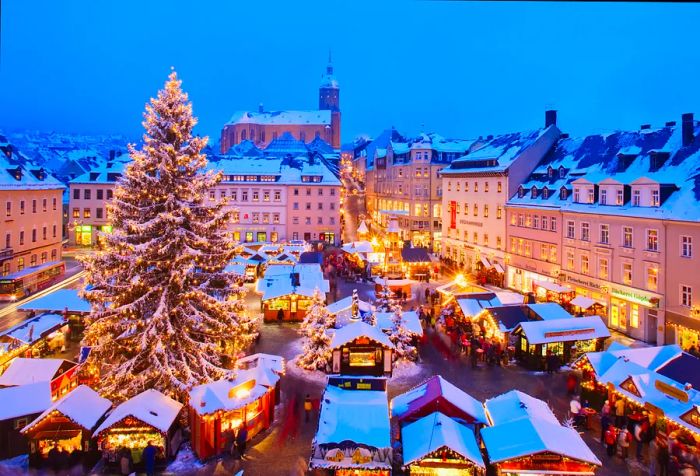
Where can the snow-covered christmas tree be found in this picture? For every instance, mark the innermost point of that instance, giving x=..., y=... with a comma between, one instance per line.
x=355, y=306
x=164, y=312
x=385, y=301
x=401, y=337
x=316, y=343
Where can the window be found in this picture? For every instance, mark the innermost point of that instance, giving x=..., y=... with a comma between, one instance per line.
x=256, y=217
x=53, y=203
x=545, y=193
x=476, y=186
x=320, y=192
x=244, y=195
x=605, y=234
x=110, y=193
x=21, y=207
x=332, y=192
x=332, y=205
x=591, y=195
x=619, y=197
x=553, y=223
x=98, y=213
x=20, y=264
x=512, y=245
x=585, y=269
x=278, y=195
x=332, y=220
x=655, y=198
x=212, y=194
x=44, y=256
x=536, y=221
x=635, y=198
x=466, y=186
x=295, y=205
x=21, y=238
x=256, y=196
x=544, y=252
x=627, y=273
x=475, y=237
x=603, y=268
x=528, y=220
x=476, y=209
x=307, y=221
x=486, y=187
x=577, y=195
x=686, y=295
x=308, y=192
x=53, y=255
x=76, y=194
x=320, y=220
x=234, y=195
x=627, y=236
x=296, y=191
x=570, y=229
x=603, y=197
x=8, y=208
x=33, y=235
x=499, y=212
x=34, y=205
x=54, y=231
x=266, y=218
x=652, y=277
x=295, y=220
x=585, y=232
x=634, y=317
x=320, y=205
x=653, y=240
x=486, y=211
x=44, y=233
x=544, y=222
x=498, y=242
x=569, y=259
x=100, y=194
x=44, y=204
x=499, y=187
x=686, y=246
x=222, y=194
x=308, y=205
x=521, y=219
x=513, y=218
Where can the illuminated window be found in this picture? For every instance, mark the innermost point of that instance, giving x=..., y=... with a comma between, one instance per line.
x=603, y=268
x=569, y=260
x=584, y=264
x=686, y=295
x=686, y=246
x=652, y=277
x=627, y=236
x=653, y=240
x=604, y=234
x=634, y=316
x=627, y=273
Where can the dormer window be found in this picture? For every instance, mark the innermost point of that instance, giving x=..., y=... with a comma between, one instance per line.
x=591, y=195
x=521, y=192
x=577, y=195
x=603, y=197
x=533, y=192
x=655, y=198
x=636, y=198
x=563, y=193
x=562, y=172
x=545, y=193
x=619, y=197
x=550, y=172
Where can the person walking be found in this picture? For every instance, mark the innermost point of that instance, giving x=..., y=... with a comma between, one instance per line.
x=149, y=458
x=125, y=461
x=620, y=412
x=639, y=437
x=473, y=352
x=653, y=456
x=611, y=440
x=663, y=458
x=241, y=441
x=427, y=294
x=623, y=440
x=280, y=316
x=307, y=407
x=605, y=422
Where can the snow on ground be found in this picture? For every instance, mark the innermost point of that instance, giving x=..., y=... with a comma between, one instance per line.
x=405, y=370
x=17, y=465
x=311, y=375
x=185, y=461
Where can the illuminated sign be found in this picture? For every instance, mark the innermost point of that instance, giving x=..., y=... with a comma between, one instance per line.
x=571, y=332
x=671, y=391
x=635, y=297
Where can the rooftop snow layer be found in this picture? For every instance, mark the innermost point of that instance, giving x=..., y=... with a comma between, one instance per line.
x=83, y=405
x=516, y=405
x=151, y=407
x=24, y=400
x=281, y=117
x=58, y=301
x=354, y=330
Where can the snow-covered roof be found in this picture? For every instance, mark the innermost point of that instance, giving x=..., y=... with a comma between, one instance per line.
x=528, y=436
x=360, y=416
x=58, y=301
x=25, y=370
x=150, y=406
x=269, y=361
x=35, y=327
x=362, y=228
x=514, y=405
x=16, y=176
x=554, y=287
x=564, y=330
x=410, y=319
x=583, y=302
x=284, y=171
x=278, y=281
x=105, y=173
x=24, y=400
x=228, y=395
x=354, y=330
x=434, y=432
x=474, y=303
x=281, y=117
x=83, y=405
x=358, y=247
x=549, y=311
x=345, y=304
x=235, y=268
x=651, y=358
x=432, y=389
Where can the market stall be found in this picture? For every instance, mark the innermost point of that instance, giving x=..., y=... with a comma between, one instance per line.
x=149, y=416
x=361, y=349
x=32, y=337
x=67, y=424
x=289, y=288
x=436, y=444
x=219, y=409
x=353, y=437
x=66, y=302
x=384, y=321
x=342, y=310
x=61, y=374
x=547, y=291
x=458, y=286
x=416, y=263
x=18, y=406
x=563, y=338
x=584, y=305
x=395, y=286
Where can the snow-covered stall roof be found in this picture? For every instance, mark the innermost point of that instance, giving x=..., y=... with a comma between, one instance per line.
x=432, y=389
x=437, y=431
x=554, y=287
x=358, y=329
x=548, y=311
x=583, y=302
x=410, y=319
x=360, y=416
x=472, y=304
x=651, y=358
x=564, y=330
x=24, y=400
x=345, y=304
x=23, y=371
x=272, y=362
x=358, y=247
x=528, y=436
x=83, y=405
x=227, y=395
x=235, y=268
x=514, y=405
x=150, y=406
x=32, y=330
x=58, y=301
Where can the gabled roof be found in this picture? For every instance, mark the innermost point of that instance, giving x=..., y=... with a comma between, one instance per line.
x=24, y=400
x=564, y=330
x=227, y=395
x=431, y=390
x=151, y=407
x=515, y=405
x=434, y=432
x=415, y=255
x=355, y=330
x=58, y=301
x=23, y=371
x=281, y=117
x=683, y=369
x=83, y=405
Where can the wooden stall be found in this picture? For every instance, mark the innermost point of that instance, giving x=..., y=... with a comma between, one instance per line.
x=218, y=410
x=67, y=425
x=66, y=302
x=18, y=406
x=394, y=285
x=61, y=374
x=416, y=263
x=31, y=338
x=149, y=416
x=546, y=291
x=361, y=349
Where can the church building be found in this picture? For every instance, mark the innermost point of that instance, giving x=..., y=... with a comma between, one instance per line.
x=263, y=127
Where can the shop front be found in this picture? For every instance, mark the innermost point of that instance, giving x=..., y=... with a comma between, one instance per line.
x=293, y=306
x=683, y=328
x=361, y=349
x=83, y=235
x=635, y=313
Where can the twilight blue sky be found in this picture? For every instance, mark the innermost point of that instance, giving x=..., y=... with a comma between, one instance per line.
x=462, y=69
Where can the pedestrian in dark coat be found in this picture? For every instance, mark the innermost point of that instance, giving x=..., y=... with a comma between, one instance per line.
x=280, y=316
x=241, y=441
x=54, y=458
x=149, y=458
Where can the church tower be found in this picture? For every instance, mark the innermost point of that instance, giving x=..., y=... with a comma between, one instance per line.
x=329, y=100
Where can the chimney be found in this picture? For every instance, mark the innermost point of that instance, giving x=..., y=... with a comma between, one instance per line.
x=111, y=155
x=670, y=123
x=687, y=124
x=644, y=127
x=550, y=118
x=260, y=108
x=565, y=135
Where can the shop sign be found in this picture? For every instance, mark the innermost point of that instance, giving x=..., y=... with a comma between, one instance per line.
x=571, y=332
x=651, y=408
x=582, y=282
x=671, y=391
x=472, y=223
x=546, y=458
x=635, y=297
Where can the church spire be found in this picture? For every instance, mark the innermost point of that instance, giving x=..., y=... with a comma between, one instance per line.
x=329, y=68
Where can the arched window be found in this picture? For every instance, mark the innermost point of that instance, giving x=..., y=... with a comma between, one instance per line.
x=242, y=135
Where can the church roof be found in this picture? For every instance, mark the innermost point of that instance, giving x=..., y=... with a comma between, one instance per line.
x=281, y=117
x=286, y=143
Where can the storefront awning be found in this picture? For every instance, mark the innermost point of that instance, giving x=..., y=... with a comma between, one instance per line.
x=499, y=268
x=583, y=302
x=554, y=287
x=485, y=262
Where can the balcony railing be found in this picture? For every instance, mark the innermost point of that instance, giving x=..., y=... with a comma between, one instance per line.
x=5, y=253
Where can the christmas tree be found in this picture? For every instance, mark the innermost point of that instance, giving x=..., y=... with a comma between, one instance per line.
x=401, y=337
x=385, y=299
x=316, y=348
x=164, y=312
x=355, y=306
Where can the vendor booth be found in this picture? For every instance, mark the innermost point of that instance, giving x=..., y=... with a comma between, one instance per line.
x=18, y=406
x=292, y=301
x=219, y=409
x=547, y=291
x=417, y=263
x=583, y=305
x=394, y=285
x=563, y=338
x=353, y=437
x=342, y=310
x=149, y=416
x=66, y=302
x=436, y=444
x=384, y=321
x=289, y=289
x=361, y=349
x=68, y=425
x=61, y=374
x=32, y=338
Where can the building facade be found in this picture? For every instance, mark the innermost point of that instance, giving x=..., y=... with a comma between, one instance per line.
x=32, y=215
x=263, y=127
x=613, y=218
x=475, y=189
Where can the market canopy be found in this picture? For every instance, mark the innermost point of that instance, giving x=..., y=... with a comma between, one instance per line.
x=32, y=330
x=227, y=395
x=150, y=407
x=349, y=333
x=415, y=255
x=58, y=301
x=554, y=287
x=24, y=400
x=583, y=302
x=472, y=304
x=358, y=247
x=514, y=405
x=83, y=405
x=564, y=330
x=434, y=432
x=26, y=370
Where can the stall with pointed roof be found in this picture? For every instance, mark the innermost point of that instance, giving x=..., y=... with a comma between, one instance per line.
x=361, y=349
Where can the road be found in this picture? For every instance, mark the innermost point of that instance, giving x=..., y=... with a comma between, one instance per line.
x=354, y=207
